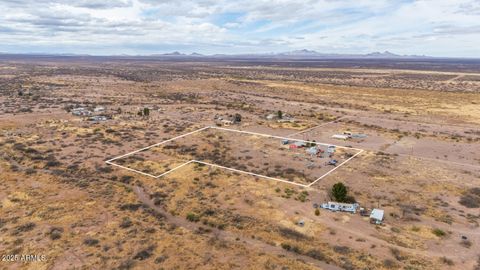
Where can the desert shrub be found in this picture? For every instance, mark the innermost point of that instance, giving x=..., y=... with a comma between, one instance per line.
x=446, y=261
x=90, y=241
x=317, y=212
x=292, y=234
x=126, y=222
x=389, y=264
x=52, y=163
x=30, y=171
x=55, y=233
x=106, y=169
x=130, y=206
x=397, y=254
x=415, y=229
x=153, y=213
x=471, y=198
x=126, y=265
x=24, y=228
x=341, y=249
x=193, y=217
x=161, y=259
x=439, y=232
x=19, y=146
x=209, y=212
x=316, y=254
x=302, y=196
x=126, y=179
x=395, y=229
x=286, y=246
x=144, y=254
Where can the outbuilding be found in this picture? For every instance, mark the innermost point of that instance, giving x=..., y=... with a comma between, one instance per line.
x=340, y=136
x=376, y=217
x=312, y=150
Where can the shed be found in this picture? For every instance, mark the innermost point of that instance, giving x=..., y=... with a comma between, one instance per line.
x=376, y=217
x=359, y=136
x=340, y=136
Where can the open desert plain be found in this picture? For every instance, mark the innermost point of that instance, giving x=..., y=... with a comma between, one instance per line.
x=230, y=163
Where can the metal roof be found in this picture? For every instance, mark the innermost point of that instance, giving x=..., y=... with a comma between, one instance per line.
x=377, y=214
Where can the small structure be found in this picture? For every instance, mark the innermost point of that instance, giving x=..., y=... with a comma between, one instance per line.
x=226, y=122
x=312, y=150
x=376, y=217
x=359, y=136
x=299, y=144
x=331, y=149
x=286, y=119
x=343, y=207
x=81, y=112
x=340, y=137
x=99, y=109
x=271, y=116
x=284, y=142
x=98, y=118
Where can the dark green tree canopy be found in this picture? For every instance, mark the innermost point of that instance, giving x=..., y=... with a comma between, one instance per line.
x=339, y=192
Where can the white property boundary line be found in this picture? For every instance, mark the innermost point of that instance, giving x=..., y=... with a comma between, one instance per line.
x=110, y=161
x=250, y=173
x=321, y=125
x=340, y=165
x=157, y=144
x=283, y=138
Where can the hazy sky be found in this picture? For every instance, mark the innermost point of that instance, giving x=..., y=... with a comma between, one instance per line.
x=437, y=28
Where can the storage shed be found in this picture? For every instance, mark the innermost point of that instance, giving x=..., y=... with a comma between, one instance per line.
x=376, y=217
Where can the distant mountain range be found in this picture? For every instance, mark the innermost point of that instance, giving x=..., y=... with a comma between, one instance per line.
x=297, y=54
x=305, y=54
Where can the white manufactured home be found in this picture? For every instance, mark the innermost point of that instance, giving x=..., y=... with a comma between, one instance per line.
x=343, y=207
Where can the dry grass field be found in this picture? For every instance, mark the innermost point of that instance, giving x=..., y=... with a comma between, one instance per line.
x=59, y=199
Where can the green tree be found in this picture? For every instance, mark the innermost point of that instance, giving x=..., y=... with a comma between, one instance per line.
x=280, y=114
x=339, y=192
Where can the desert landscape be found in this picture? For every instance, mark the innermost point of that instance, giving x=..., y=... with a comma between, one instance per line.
x=228, y=163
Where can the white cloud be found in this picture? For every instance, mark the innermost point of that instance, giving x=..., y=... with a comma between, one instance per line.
x=442, y=27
